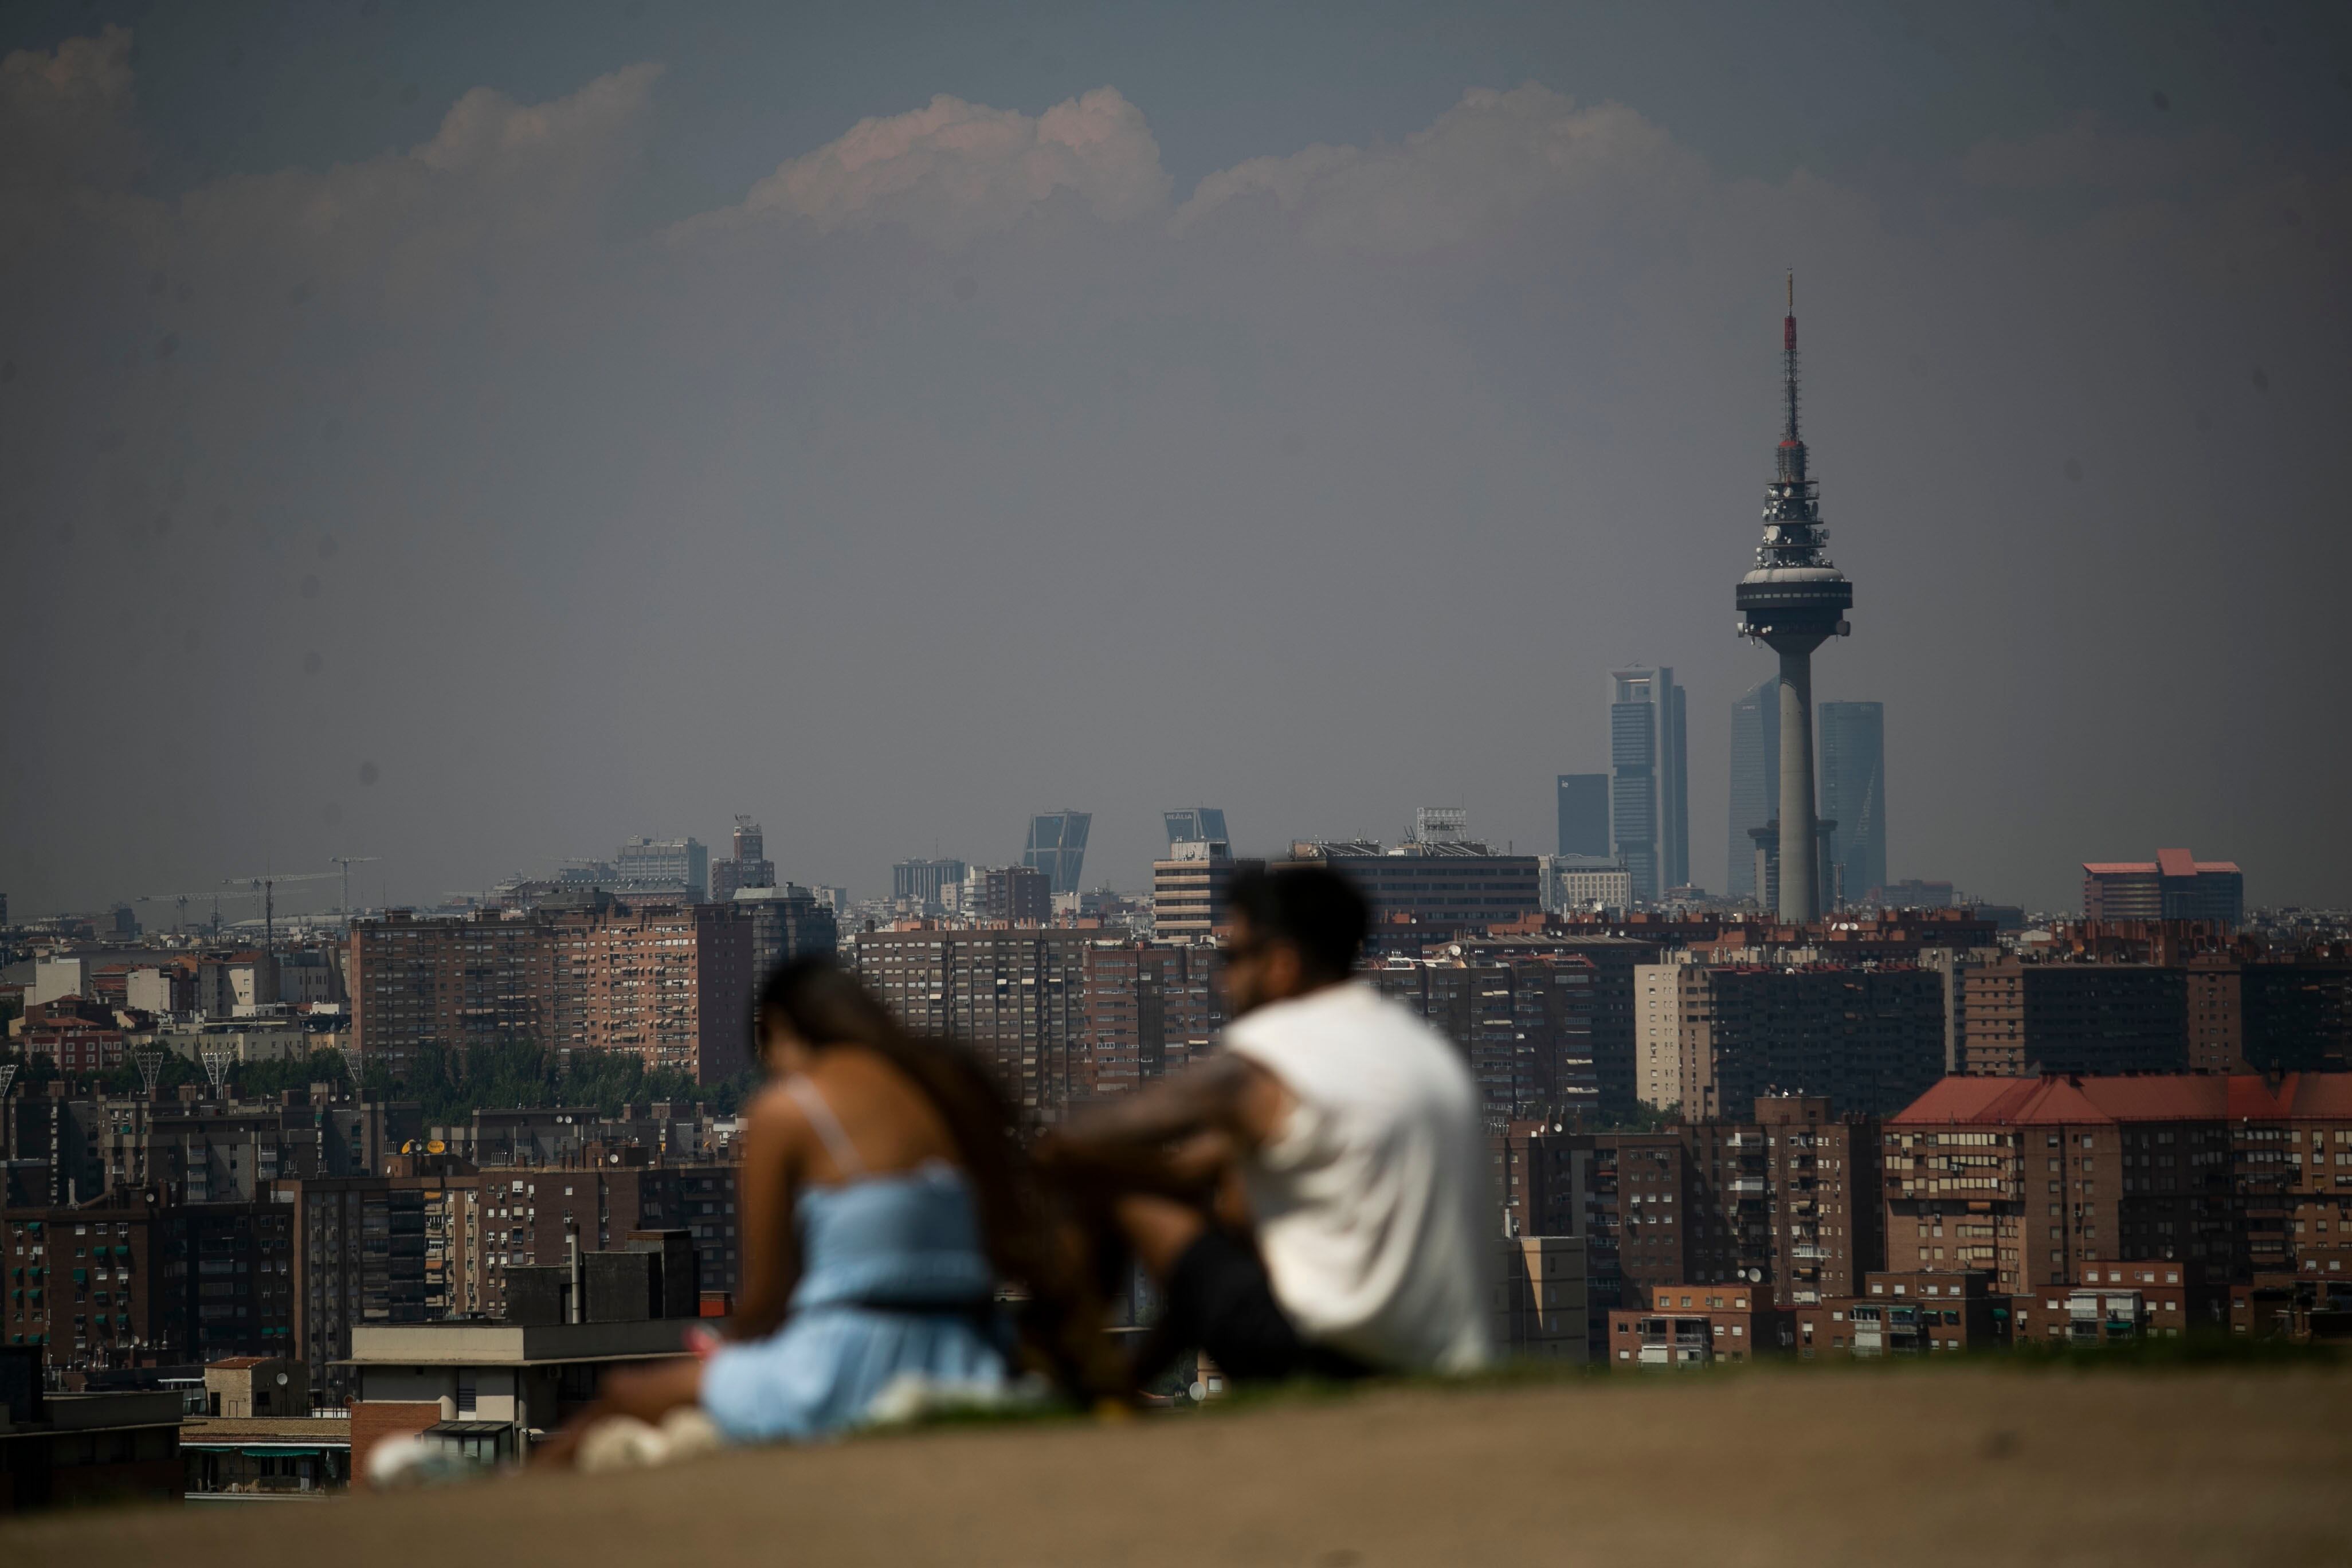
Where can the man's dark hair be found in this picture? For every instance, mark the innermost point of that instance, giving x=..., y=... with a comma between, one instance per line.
x=1313, y=908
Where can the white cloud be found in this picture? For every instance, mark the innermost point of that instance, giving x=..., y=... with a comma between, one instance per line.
x=1472, y=174
x=952, y=170
x=65, y=118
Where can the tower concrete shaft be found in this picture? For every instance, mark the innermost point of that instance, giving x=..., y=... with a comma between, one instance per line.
x=1794, y=600
x=1800, y=846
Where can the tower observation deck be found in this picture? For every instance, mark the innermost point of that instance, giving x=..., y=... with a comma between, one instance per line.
x=1793, y=601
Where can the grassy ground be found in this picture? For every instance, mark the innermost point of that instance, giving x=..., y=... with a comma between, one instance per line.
x=1981, y=1464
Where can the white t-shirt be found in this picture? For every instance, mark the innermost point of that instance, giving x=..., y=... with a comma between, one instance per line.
x=1371, y=1203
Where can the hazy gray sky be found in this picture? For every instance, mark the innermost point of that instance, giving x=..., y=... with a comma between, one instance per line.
x=471, y=436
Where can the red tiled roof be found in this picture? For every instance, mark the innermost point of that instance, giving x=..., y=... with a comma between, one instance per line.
x=2219, y=866
x=2054, y=1099
x=2120, y=867
x=2175, y=862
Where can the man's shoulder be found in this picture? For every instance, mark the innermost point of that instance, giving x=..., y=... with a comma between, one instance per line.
x=1352, y=1016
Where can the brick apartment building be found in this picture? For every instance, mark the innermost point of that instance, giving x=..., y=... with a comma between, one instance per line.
x=1523, y=1022
x=1150, y=1008
x=1015, y=994
x=1610, y=1016
x=455, y=983
x=2020, y=1019
x=1715, y=1037
x=2040, y=1181
x=1679, y=1325
x=670, y=983
x=1906, y=1314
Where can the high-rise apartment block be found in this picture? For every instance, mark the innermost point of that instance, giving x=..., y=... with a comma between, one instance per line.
x=668, y=982
x=1867, y=1038
x=1523, y=1022
x=1649, y=801
x=788, y=922
x=1150, y=1008
x=1057, y=846
x=1013, y=895
x=1755, y=783
x=1016, y=994
x=2039, y=1179
x=2175, y=886
x=453, y=983
x=1583, y=800
x=2024, y=1018
x=1854, y=794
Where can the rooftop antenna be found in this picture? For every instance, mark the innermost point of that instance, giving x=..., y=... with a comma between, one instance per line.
x=150, y=1067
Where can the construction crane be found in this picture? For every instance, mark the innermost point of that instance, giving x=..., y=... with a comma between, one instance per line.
x=267, y=886
x=180, y=902
x=347, y=862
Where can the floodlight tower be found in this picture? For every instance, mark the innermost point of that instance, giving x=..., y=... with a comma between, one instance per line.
x=1794, y=600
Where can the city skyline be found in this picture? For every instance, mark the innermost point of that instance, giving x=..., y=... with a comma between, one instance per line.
x=1497, y=285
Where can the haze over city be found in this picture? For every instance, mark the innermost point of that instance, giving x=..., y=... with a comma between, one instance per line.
x=470, y=441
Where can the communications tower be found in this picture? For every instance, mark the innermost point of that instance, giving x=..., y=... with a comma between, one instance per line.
x=1793, y=602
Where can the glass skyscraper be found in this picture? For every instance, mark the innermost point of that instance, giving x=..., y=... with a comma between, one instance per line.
x=1057, y=846
x=1649, y=784
x=1755, y=780
x=1853, y=792
x=1195, y=825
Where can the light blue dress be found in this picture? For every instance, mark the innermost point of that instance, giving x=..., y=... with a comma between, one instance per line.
x=894, y=1280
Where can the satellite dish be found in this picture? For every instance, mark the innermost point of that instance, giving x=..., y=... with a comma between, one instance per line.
x=1199, y=1391
x=408, y=1146
x=435, y=1146
x=282, y=1380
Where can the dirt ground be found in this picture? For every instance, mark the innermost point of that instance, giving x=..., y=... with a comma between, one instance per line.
x=1910, y=1464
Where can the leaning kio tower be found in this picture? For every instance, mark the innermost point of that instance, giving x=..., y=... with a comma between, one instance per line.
x=1794, y=600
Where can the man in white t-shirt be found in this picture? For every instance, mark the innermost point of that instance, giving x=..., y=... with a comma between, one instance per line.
x=1351, y=1128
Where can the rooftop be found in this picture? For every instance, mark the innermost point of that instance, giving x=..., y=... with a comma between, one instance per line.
x=2077, y=1098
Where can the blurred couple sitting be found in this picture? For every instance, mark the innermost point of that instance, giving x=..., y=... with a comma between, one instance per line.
x=1311, y=1201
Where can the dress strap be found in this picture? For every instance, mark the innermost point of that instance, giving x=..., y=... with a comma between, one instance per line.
x=812, y=1101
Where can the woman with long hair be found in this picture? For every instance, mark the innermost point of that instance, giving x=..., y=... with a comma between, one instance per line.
x=885, y=1200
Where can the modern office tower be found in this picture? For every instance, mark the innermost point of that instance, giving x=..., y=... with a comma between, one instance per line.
x=1440, y=824
x=1188, y=889
x=1426, y=893
x=1649, y=795
x=663, y=868
x=1793, y=602
x=748, y=867
x=1196, y=824
x=1584, y=815
x=1755, y=780
x=1854, y=794
x=929, y=884
x=2175, y=886
x=1057, y=846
